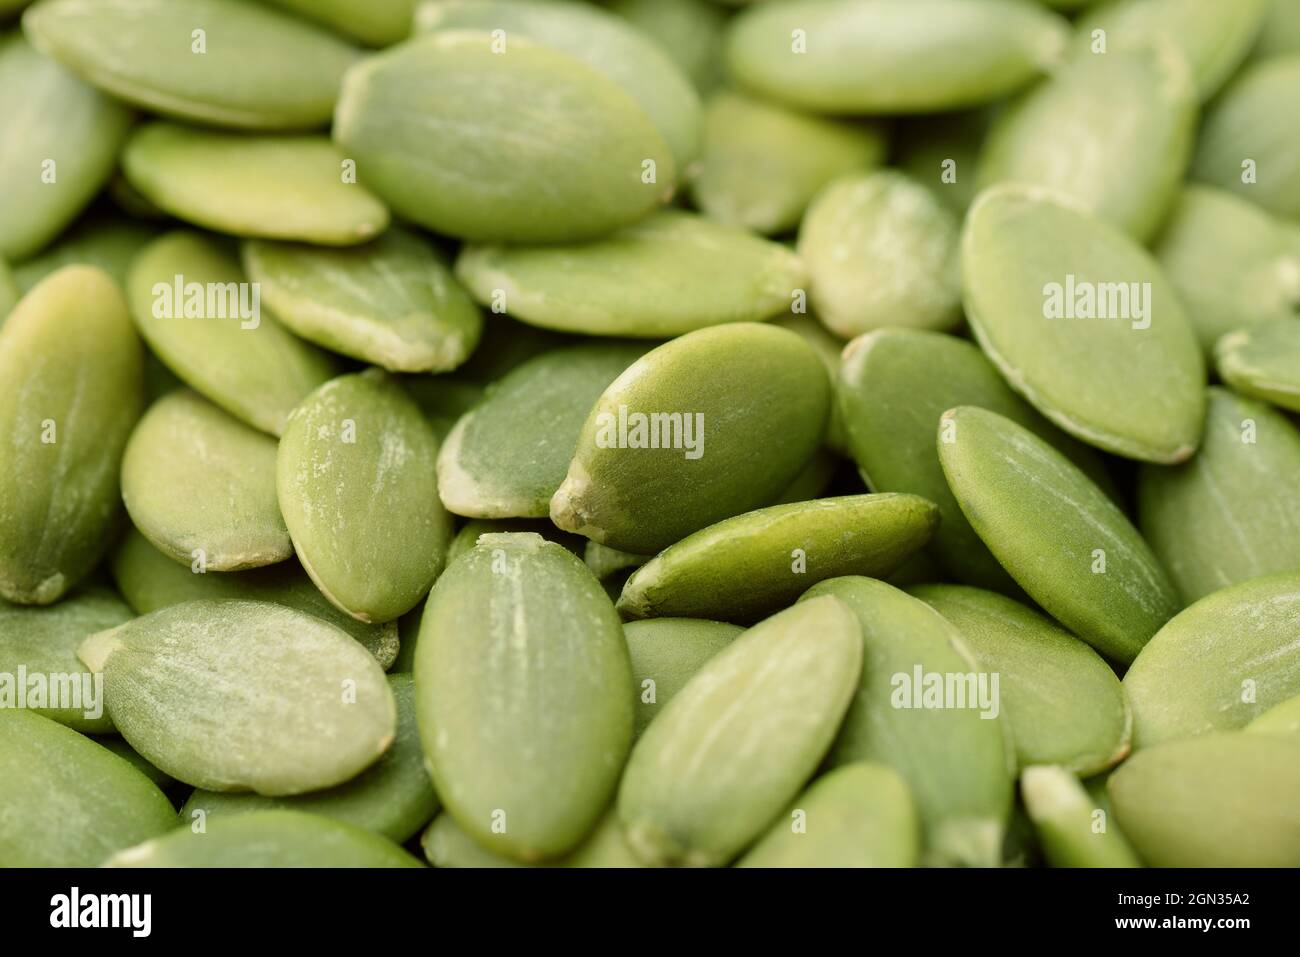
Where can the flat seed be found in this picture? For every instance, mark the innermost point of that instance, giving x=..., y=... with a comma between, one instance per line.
x=38, y=657
x=61, y=142
x=447, y=132
x=1219, y=664
x=1131, y=384
x=755, y=399
x=1058, y=535
x=1112, y=131
x=244, y=695
x=840, y=56
x=524, y=696
x=392, y=302
x=377, y=23
x=268, y=839
x=689, y=31
x=1282, y=718
x=358, y=490
x=1264, y=362
x=739, y=741
x=110, y=244
x=1208, y=539
x=258, y=68
x=200, y=484
x=670, y=273
x=507, y=456
x=666, y=653
x=953, y=757
x=1224, y=800
x=1073, y=831
x=275, y=187
x=446, y=845
x=393, y=797
x=859, y=815
x=472, y=530
x=881, y=250
x=1064, y=704
x=228, y=351
x=70, y=368
x=748, y=567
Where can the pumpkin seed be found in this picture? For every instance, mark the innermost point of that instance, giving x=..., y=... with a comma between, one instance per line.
x=268, y=839
x=393, y=797
x=70, y=364
x=1208, y=539
x=524, y=696
x=447, y=132
x=472, y=530
x=1063, y=703
x=953, y=757
x=840, y=56
x=1063, y=541
x=211, y=333
x=1074, y=832
x=738, y=742
x=759, y=395
x=224, y=62
x=1264, y=361
x=68, y=802
x=881, y=250
x=1282, y=718
x=445, y=844
x=358, y=491
x=110, y=244
x=1218, y=665
x=1131, y=384
x=1223, y=800
x=377, y=23
x=748, y=567
x=666, y=653
x=244, y=695
x=689, y=31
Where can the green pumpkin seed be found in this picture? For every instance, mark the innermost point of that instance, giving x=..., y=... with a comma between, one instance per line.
x=446, y=845
x=737, y=743
x=1224, y=800
x=1063, y=703
x=110, y=244
x=752, y=402
x=666, y=653
x=1282, y=718
x=524, y=695
x=1218, y=665
x=71, y=368
x=61, y=143
x=394, y=797
x=38, y=657
x=881, y=250
x=859, y=815
x=129, y=754
x=953, y=757
x=1264, y=362
x=942, y=154
x=1207, y=537
x=225, y=62
x=268, y=839
x=201, y=486
x=1074, y=832
x=68, y=802
x=376, y=23
x=276, y=187
x=472, y=530
x=243, y=361
x=358, y=490
x=1063, y=541
x=391, y=302
x=841, y=56
x=1131, y=384
x=149, y=580
x=244, y=695
x=690, y=272
x=507, y=457
x=448, y=133
x=748, y=567
x=1123, y=163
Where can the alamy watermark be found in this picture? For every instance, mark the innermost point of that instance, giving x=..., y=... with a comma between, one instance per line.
x=653, y=430
x=73, y=691
x=1081, y=299
x=947, y=691
x=179, y=299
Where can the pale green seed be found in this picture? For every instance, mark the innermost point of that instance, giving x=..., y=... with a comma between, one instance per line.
x=1073, y=831
x=666, y=653
x=244, y=695
x=445, y=844
x=1134, y=384
x=375, y=22
x=942, y=154
x=70, y=365
x=1232, y=512
x=689, y=31
x=1282, y=718
x=110, y=244
x=1264, y=361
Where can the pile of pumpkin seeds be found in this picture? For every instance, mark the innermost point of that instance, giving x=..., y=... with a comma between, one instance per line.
x=657, y=432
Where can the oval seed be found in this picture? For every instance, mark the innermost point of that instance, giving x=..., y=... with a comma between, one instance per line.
x=524, y=696
x=1282, y=718
x=1073, y=831
x=1080, y=321
x=748, y=567
x=70, y=391
x=201, y=486
x=670, y=273
x=666, y=653
x=1264, y=361
x=358, y=490
x=475, y=528
x=244, y=695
